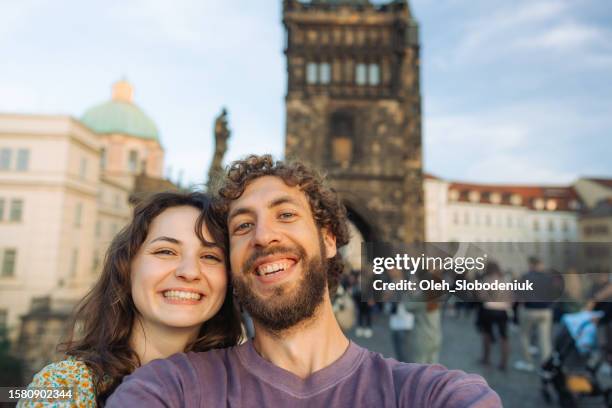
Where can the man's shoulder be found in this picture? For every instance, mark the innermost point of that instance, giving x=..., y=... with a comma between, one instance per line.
x=433, y=385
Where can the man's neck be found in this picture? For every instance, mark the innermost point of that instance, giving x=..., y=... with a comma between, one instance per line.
x=307, y=348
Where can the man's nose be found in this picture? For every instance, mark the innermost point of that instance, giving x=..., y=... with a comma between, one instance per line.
x=189, y=269
x=266, y=234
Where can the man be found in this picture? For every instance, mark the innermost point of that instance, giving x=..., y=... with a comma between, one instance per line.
x=536, y=315
x=284, y=229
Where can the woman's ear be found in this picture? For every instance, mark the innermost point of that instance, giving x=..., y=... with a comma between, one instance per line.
x=329, y=242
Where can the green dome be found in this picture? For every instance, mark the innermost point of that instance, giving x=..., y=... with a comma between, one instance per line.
x=120, y=115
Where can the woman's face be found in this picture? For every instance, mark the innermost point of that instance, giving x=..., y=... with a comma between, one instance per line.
x=176, y=280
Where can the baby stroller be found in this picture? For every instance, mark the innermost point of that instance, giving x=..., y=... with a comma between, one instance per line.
x=573, y=369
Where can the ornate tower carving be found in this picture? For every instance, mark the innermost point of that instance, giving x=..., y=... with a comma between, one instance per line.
x=353, y=108
x=222, y=134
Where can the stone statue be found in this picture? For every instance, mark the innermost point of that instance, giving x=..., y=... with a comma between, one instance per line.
x=222, y=133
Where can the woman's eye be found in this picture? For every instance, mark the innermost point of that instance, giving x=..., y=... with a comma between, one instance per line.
x=211, y=259
x=164, y=252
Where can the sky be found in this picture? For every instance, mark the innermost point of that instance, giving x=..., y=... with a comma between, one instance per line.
x=513, y=92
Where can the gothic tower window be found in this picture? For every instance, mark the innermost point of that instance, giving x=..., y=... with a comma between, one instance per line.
x=318, y=73
x=311, y=73
x=360, y=74
x=367, y=74
x=373, y=74
x=342, y=138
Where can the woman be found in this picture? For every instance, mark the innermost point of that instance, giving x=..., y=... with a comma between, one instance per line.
x=494, y=313
x=163, y=290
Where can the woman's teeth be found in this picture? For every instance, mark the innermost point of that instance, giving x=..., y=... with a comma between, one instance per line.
x=177, y=294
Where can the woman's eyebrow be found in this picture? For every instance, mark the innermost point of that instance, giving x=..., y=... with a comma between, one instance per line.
x=167, y=239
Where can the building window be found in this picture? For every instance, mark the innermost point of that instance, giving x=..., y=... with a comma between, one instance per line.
x=456, y=218
x=342, y=137
x=5, y=159
x=374, y=74
x=3, y=323
x=96, y=261
x=103, y=158
x=488, y=220
x=536, y=225
x=8, y=262
x=598, y=229
x=23, y=159
x=16, y=210
x=83, y=168
x=367, y=74
x=318, y=73
x=78, y=212
x=551, y=225
x=466, y=218
x=133, y=161
x=564, y=226
x=311, y=73
x=74, y=262
x=360, y=74
x=325, y=73
x=1, y=209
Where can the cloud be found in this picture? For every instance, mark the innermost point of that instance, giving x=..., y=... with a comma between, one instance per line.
x=194, y=24
x=489, y=32
x=536, y=142
x=565, y=37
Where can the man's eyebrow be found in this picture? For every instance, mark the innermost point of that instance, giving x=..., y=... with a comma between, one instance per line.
x=238, y=211
x=167, y=239
x=286, y=199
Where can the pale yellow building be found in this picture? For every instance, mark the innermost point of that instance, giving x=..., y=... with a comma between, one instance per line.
x=65, y=185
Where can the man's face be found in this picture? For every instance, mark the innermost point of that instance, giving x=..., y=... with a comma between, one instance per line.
x=277, y=253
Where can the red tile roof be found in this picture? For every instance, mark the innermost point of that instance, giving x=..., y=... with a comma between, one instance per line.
x=560, y=198
x=604, y=182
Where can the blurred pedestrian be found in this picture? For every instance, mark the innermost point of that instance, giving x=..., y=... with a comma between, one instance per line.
x=427, y=332
x=494, y=318
x=401, y=322
x=364, y=303
x=536, y=315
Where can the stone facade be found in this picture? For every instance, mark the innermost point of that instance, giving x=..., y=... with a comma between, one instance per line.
x=353, y=109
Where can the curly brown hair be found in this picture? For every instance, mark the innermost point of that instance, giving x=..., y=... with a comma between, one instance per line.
x=327, y=210
x=102, y=324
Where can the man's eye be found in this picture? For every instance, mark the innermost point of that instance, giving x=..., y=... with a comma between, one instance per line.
x=242, y=227
x=286, y=216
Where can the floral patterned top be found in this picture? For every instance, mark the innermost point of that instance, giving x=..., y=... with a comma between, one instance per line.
x=70, y=373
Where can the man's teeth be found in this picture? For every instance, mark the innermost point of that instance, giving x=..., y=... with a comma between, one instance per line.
x=178, y=294
x=272, y=268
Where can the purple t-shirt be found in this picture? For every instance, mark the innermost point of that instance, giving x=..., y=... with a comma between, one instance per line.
x=240, y=377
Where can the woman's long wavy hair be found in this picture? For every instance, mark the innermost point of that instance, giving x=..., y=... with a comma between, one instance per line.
x=103, y=321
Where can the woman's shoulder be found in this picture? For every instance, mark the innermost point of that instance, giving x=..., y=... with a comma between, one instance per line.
x=69, y=373
x=65, y=373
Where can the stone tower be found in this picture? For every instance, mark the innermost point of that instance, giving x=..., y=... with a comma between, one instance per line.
x=354, y=108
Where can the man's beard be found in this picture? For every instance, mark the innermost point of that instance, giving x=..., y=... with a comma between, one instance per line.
x=285, y=307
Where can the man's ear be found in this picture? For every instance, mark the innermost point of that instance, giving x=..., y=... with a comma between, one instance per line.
x=329, y=241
